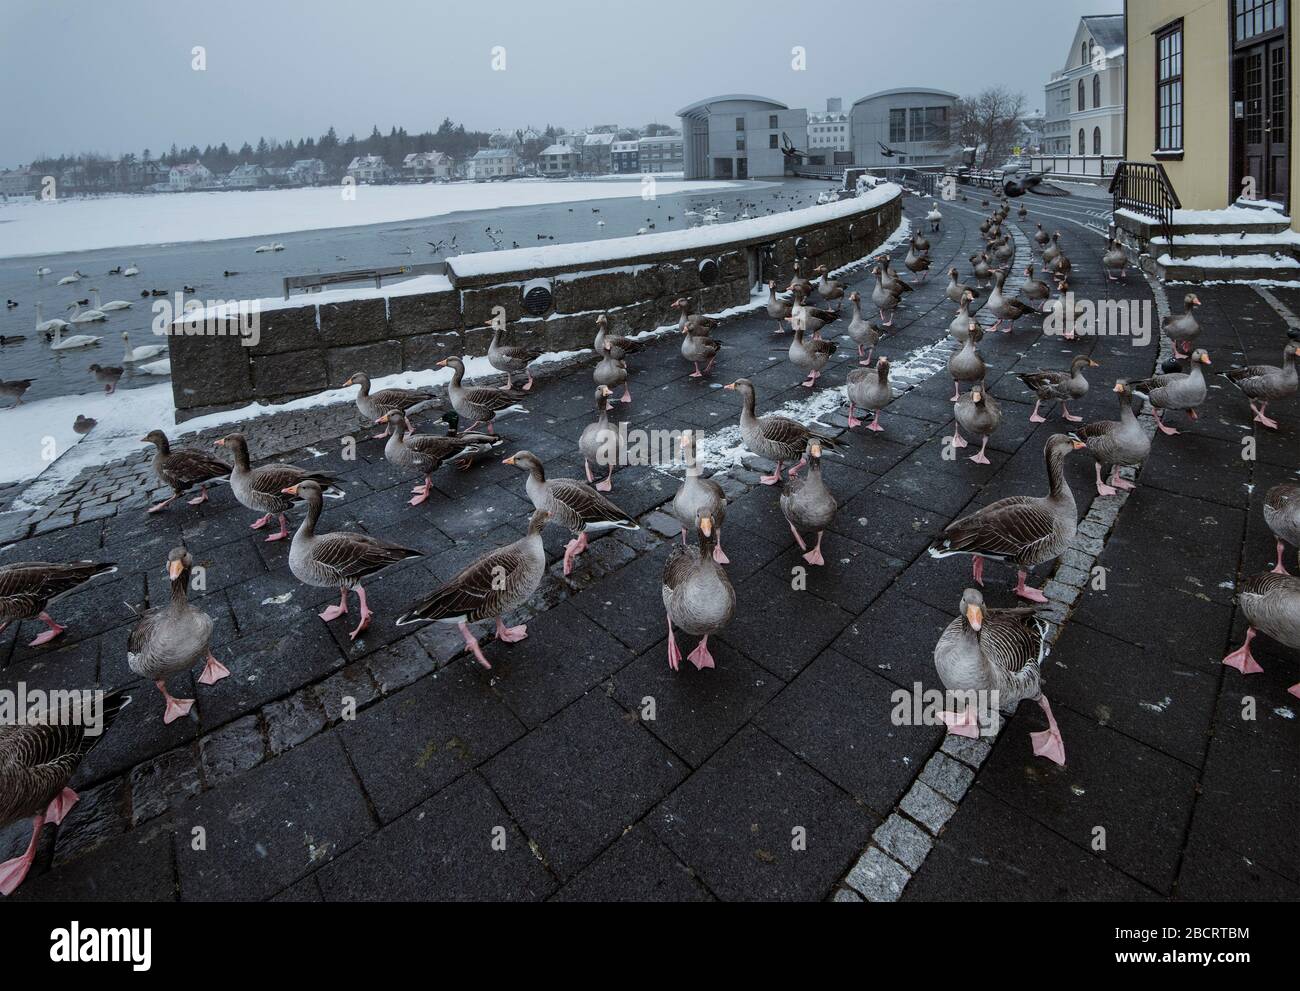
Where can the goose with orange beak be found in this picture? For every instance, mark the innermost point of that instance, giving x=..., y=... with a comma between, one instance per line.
x=807, y=504
x=697, y=595
x=991, y=659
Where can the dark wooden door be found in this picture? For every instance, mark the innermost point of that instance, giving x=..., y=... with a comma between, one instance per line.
x=1262, y=86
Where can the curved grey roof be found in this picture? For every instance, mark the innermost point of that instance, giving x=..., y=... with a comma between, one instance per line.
x=703, y=105
x=920, y=90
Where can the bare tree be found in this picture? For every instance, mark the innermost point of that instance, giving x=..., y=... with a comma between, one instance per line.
x=988, y=122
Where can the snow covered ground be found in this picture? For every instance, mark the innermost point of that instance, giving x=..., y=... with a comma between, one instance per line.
x=33, y=227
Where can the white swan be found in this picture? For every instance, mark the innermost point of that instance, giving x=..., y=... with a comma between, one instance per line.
x=277, y=246
x=61, y=343
x=162, y=367
x=44, y=270
x=131, y=270
x=143, y=353
x=85, y=316
x=263, y=247
x=111, y=305
x=48, y=326
x=76, y=276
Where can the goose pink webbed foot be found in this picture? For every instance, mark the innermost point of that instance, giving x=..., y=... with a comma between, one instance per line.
x=814, y=556
x=332, y=613
x=175, y=707
x=674, y=652
x=700, y=656
x=510, y=634
x=1242, y=659
x=213, y=671
x=471, y=642
x=365, y=614
x=962, y=723
x=54, y=630
x=1278, y=568
x=1048, y=743
x=1028, y=591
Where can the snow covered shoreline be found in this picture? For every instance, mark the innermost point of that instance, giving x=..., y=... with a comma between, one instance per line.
x=34, y=228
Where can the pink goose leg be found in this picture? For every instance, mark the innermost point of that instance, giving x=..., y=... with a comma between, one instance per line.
x=1027, y=591
x=54, y=630
x=607, y=484
x=587, y=467
x=853, y=420
x=260, y=522
x=1120, y=483
x=627, y=394
x=773, y=478
x=13, y=871
x=471, y=642
x=365, y=613
x=1048, y=743
x=1261, y=419
x=700, y=656
x=511, y=634
x=572, y=549
x=421, y=491
x=1102, y=488
x=962, y=723
x=979, y=457
x=674, y=652
x=1278, y=569
x=977, y=570
x=957, y=439
x=1167, y=431
x=1065, y=412
x=332, y=613
x=202, y=497
x=175, y=707
x=794, y=472
x=875, y=422
x=1242, y=659
x=814, y=556
x=160, y=506
x=213, y=671
x=284, y=531
x=1035, y=416
x=718, y=555
x=1294, y=690
x=798, y=539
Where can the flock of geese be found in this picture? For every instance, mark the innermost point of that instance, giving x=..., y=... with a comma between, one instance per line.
x=146, y=359
x=983, y=649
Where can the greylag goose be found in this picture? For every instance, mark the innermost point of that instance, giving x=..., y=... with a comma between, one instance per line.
x=1271, y=605
x=499, y=581
x=829, y=289
x=339, y=560
x=83, y=424
x=183, y=468
x=800, y=281
x=478, y=404
x=966, y=364
x=808, y=504
x=173, y=638
x=262, y=489
x=811, y=356
x=1024, y=530
x=697, y=595
x=1118, y=443
x=1183, y=329
x=959, y=326
x=1041, y=237
x=1036, y=290
x=869, y=388
x=811, y=318
x=1115, y=261
x=885, y=301
x=623, y=346
x=107, y=376
x=37, y=760
x=957, y=290
x=1282, y=514
x=987, y=654
x=1005, y=307
x=934, y=217
x=981, y=268
x=697, y=324
x=373, y=405
x=776, y=438
x=1266, y=383
x=513, y=359
x=862, y=332
x=27, y=587
x=697, y=347
x=977, y=413
x=892, y=281
x=699, y=496
x=572, y=504
x=601, y=443
x=921, y=243
x=1052, y=251
x=14, y=389
x=1175, y=390
x=427, y=452
x=1059, y=318
x=918, y=263
x=611, y=371
x=777, y=308
x=1048, y=385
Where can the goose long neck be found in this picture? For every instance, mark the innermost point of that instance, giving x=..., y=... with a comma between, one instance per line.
x=180, y=585
x=1056, y=484
x=457, y=373
x=308, y=527
x=240, y=450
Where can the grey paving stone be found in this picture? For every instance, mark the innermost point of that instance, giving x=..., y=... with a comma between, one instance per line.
x=971, y=752
x=878, y=878
x=903, y=841
x=291, y=721
x=162, y=782
x=231, y=749
x=785, y=635
x=948, y=777
x=927, y=806
x=846, y=895
x=636, y=868
x=101, y=813
x=135, y=867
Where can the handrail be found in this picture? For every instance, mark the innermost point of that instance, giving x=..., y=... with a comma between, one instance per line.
x=1145, y=188
x=322, y=279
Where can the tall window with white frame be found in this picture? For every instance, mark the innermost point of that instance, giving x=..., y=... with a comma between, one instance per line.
x=1169, y=89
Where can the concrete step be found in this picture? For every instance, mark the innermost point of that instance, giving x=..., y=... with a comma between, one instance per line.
x=1237, y=220
x=1283, y=245
x=1219, y=268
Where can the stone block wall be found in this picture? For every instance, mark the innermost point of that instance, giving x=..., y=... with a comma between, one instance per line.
x=305, y=348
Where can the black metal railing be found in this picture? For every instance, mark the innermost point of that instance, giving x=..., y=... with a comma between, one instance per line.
x=1144, y=188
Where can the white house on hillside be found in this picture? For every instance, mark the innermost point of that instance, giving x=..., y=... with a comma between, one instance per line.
x=370, y=168
x=187, y=176
x=426, y=165
x=491, y=163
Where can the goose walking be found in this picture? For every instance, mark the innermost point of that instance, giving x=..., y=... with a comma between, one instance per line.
x=1183, y=329
x=428, y=452
x=869, y=389
x=37, y=760
x=807, y=504
x=777, y=308
x=261, y=489
x=601, y=443
x=478, y=404
x=622, y=346
x=935, y=217
x=1118, y=443
x=985, y=651
x=611, y=372
x=513, y=359
x=489, y=588
x=966, y=364
x=957, y=290
x=183, y=468
x=1048, y=385
x=571, y=504
x=697, y=595
x=1264, y=384
x=1005, y=307
x=373, y=405
x=173, y=638
x=1271, y=605
x=1282, y=514
x=1175, y=390
x=28, y=587
x=978, y=414
x=1115, y=261
x=861, y=331
x=1036, y=290
x=341, y=560
x=809, y=355
x=1023, y=530
x=776, y=438
x=698, y=496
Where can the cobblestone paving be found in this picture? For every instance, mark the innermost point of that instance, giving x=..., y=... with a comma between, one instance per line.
x=542, y=779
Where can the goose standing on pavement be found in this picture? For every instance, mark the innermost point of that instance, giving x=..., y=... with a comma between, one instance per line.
x=513, y=359
x=697, y=346
x=958, y=290
x=182, y=468
x=777, y=308
x=966, y=364
x=978, y=414
x=28, y=587
x=1183, y=328
x=808, y=504
x=1023, y=530
x=809, y=355
x=934, y=217
x=885, y=301
x=1115, y=261
x=697, y=595
x=811, y=318
x=862, y=332
x=1036, y=290
x=917, y=262
x=481, y=403
x=611, y=371
x=1063, y=387
x=601, y=443
x=1051, y=251
x=830, y=290
x=1271, y=605
x=1005, y=307
x=341, y=560
x=985, y=651
x=959, y=326
x=498, y=582
x=892, y=281
x=373, y=405
x=1118, y=443
x=622, y=346
x=173, y=638
x=869, y=388
x=261, y=489
x=1282, y=514
x=37, y=760
x=1175, y=390
x=571, y=504
x=1266, y=383
x=428, y=452
x=699, y=496
x=776, y=438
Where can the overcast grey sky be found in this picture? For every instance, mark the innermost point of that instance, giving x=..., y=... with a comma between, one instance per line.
x=115, y=75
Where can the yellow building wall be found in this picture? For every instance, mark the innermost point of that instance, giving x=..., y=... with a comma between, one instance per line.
x=1201, y=177
x=1293, y=13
